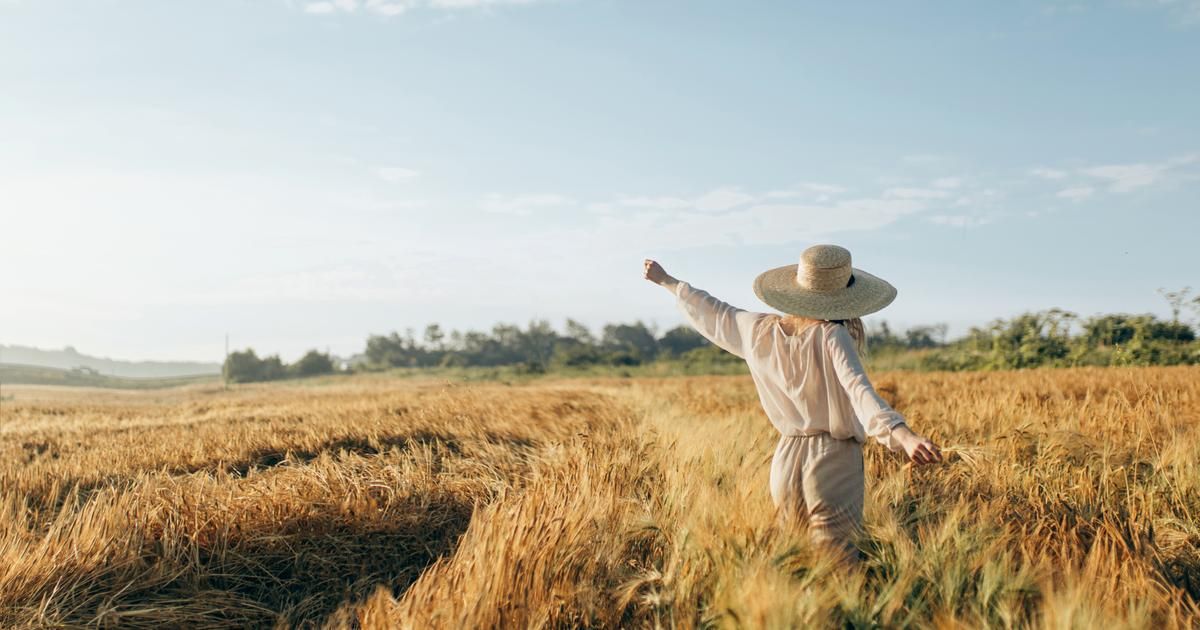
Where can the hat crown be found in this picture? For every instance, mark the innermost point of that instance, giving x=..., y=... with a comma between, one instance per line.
x=824, y=268
x=826, y=256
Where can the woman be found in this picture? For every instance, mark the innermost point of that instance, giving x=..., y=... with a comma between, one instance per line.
x=810, y=381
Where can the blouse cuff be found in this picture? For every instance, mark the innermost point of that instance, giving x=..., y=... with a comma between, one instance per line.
x=888, y=438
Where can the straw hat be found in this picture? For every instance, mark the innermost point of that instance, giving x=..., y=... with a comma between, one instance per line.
x=823, y=285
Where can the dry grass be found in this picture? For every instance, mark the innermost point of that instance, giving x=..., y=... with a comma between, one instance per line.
x=1070, y=500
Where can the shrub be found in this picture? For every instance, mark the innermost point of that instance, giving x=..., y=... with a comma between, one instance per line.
x=247, y=367
x=313, y=363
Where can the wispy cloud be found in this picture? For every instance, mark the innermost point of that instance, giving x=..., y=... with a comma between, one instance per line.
x=390, y=8
x=524, y=205
x=959, y=220
x=723, y=199
x=825, y=189
x=915, y=193
x=660, y=203
x=735, y=216
x=1084, y=182
x=331, y=6
x=752, y=218
x=715, y=200
x=1054, y=7
x=473, y=4
x=1185, y=12
x=947, y=182
x=1048, y=173
x=1076, y=193
x=926, y=159
x=396, y=173
x=318, y=8
x=1128, y=177
x=816, y=191
x=757, y=224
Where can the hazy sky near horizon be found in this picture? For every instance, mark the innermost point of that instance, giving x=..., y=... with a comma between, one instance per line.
x=302, y=174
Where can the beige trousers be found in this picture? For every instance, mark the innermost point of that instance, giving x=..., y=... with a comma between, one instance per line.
x=819, y=479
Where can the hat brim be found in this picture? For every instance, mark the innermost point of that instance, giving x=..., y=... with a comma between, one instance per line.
x=867, y=294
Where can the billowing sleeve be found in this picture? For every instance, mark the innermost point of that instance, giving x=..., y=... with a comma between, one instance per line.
x=727, y=326
x=876, y=416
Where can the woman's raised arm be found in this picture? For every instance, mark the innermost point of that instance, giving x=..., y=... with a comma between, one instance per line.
x=721, y=323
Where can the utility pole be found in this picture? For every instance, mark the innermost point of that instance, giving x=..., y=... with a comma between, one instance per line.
x=225, y=365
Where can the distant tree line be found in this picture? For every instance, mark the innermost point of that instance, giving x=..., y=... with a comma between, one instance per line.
x=538, y=347
x=1052, y=337
x=247, y=367
x=882, y=339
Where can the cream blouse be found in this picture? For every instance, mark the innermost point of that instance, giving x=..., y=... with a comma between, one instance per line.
x=808, y=383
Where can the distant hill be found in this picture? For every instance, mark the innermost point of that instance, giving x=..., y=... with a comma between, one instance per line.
x=83, y=377
x=70, y=359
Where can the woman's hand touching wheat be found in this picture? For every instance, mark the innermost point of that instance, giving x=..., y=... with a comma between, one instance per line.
x=920, y=449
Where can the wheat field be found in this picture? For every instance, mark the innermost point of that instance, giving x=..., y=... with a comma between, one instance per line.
x=1069, y=499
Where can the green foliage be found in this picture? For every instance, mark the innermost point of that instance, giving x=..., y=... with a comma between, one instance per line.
x=579, y=332
x=1119, y=329
x=883, y=340
x=1044, y=339
x=537, y=344
x=452, y=360
x=622, y=357
x=391, y=350
x=1028, y=340
x=246, y=366
x=534, y=349
x=313, y=363
x=634, y=340
x=708, y=355
x=679, y=340
x=577, y=354
x=243, y=367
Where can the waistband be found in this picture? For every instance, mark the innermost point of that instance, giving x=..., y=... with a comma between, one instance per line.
x=793, y=436
x=821, y=435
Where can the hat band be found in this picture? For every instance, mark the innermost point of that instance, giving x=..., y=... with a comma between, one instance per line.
x=824, y=280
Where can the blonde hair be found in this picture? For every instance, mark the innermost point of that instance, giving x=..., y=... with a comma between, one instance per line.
x=854, y=326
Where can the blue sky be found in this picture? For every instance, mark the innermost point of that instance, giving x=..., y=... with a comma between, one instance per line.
x=302, y=174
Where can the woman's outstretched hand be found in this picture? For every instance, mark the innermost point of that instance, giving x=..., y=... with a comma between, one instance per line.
x=920, y=449
x=656, y=274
